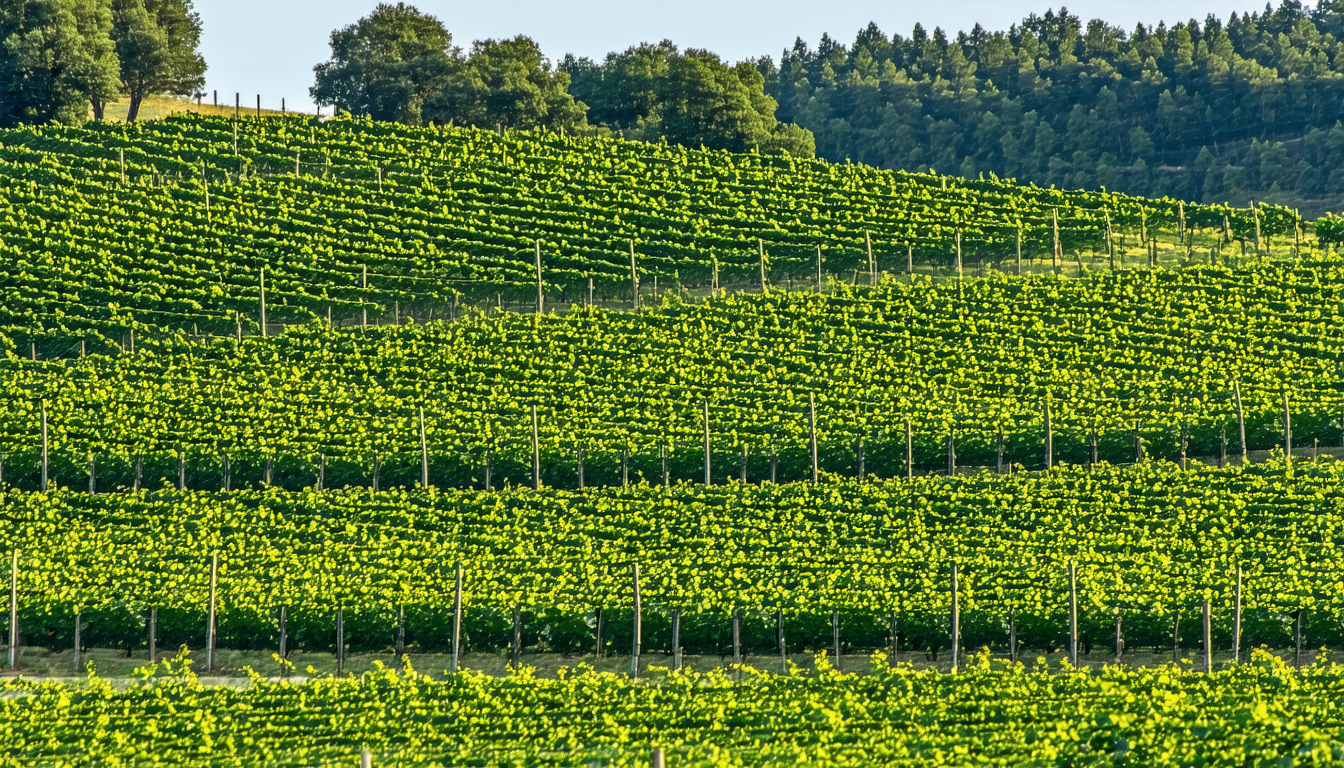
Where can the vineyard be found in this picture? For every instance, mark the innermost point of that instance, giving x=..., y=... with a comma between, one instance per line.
x=477, y=399
x=192, y=222
x=1131, y=364
x=1150, y=544
x=1249, y=715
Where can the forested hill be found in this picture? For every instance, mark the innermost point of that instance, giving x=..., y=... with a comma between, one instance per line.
x=1246, y=108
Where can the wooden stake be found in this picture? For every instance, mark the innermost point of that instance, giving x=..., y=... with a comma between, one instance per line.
x=263, y=302
x=457, y=622
x=872, y=265
x=536, y=453
x=399, y=649
x=364, y=289
x=516, y=655
x=424, y=450
x=122, y=153
x=779, y=640
x=1208, y=639
x=1049, y=437
x=835, y=638
x=951, y=446
x=737, y=639
x=1054, y=218
x=637, y=629
x=1019, y=248
x=812, y=433
x=1287, y=431
x=634, y=277
x=210, y=618
x=1073, y=616
x=1110, y=244
x=1236, y=620
x=14, y=610
x=282, y=620
x=956, y=621
x=154, y=635
x=909, y=452
x=1119, y=637
x=1241, y=420
x=676, y=639
x=958, y=251
x=340, y=641
x=541, y=299
x=706, y=421
x=760, y=245
x=998, y=452
x=45, y=465
x=818, y=268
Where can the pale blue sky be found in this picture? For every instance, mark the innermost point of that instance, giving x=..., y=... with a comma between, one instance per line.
x=269, y=47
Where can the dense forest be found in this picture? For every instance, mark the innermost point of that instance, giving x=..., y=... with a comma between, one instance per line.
x=1247, y=108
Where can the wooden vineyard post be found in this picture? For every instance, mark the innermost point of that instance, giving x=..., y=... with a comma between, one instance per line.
x=536, y=453
x=1073, y=615
x=625, y=466
x=1012, y=635
x=910, y=259
x=779, y=639
x=835, y=638
x=662, y=458
x=1255, y=214
x=958, y=251
x=226, y=470
x=340, y=641
x=263, y=302
x=818, y=268
x=634, y=276
x=1138, y=444
x=321, y=471
x=951, y=454
x=872, y=265
x=1119, y=637
x=676, y=639
x=1208, y=639
x=424, y=450
x=861, y=469
x=122, y=154
x=1019, y=248
x=14, y=610
x=1236, y=620
x=774, y=465
x=812, y=432
x=894, y=633
x=1297, y=638
x=399, y=649
x=297, y=171
x=998, y=452
x=182, y=470
x=154, y=635
x=45, y=466
x=457, y=622
x=909, y=451
x=541, y=298
x=1287, y=432
x=956, y=621
x=737, y=638
x=1222, y=449
x=1176, y=634
x=1055, y=253
x=364, y=308
x=578, y=464
x=706, y=422
x=714, y=281
x=1110, y=242
x=1049, y=437
x=1094, y=444
x=1241, y=420
x=760, y=246
x=516, y=649
x=1185, y=439
x=210, y=614
x=283, y=621
x=656, y=758
x=637, y=629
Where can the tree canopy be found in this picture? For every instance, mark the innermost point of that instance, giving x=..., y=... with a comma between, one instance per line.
x=156, y=43
x=55, y=57
x=508, y=83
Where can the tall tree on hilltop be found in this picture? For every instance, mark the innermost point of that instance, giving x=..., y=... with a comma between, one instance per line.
x=387, y=64
x=507, y=82
x=56, y=56
x=156, y=42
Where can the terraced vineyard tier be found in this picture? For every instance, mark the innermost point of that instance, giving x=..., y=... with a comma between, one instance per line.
x=1154, y=355
x=1150, y=542
x=1248, y=715
x=169, y=224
